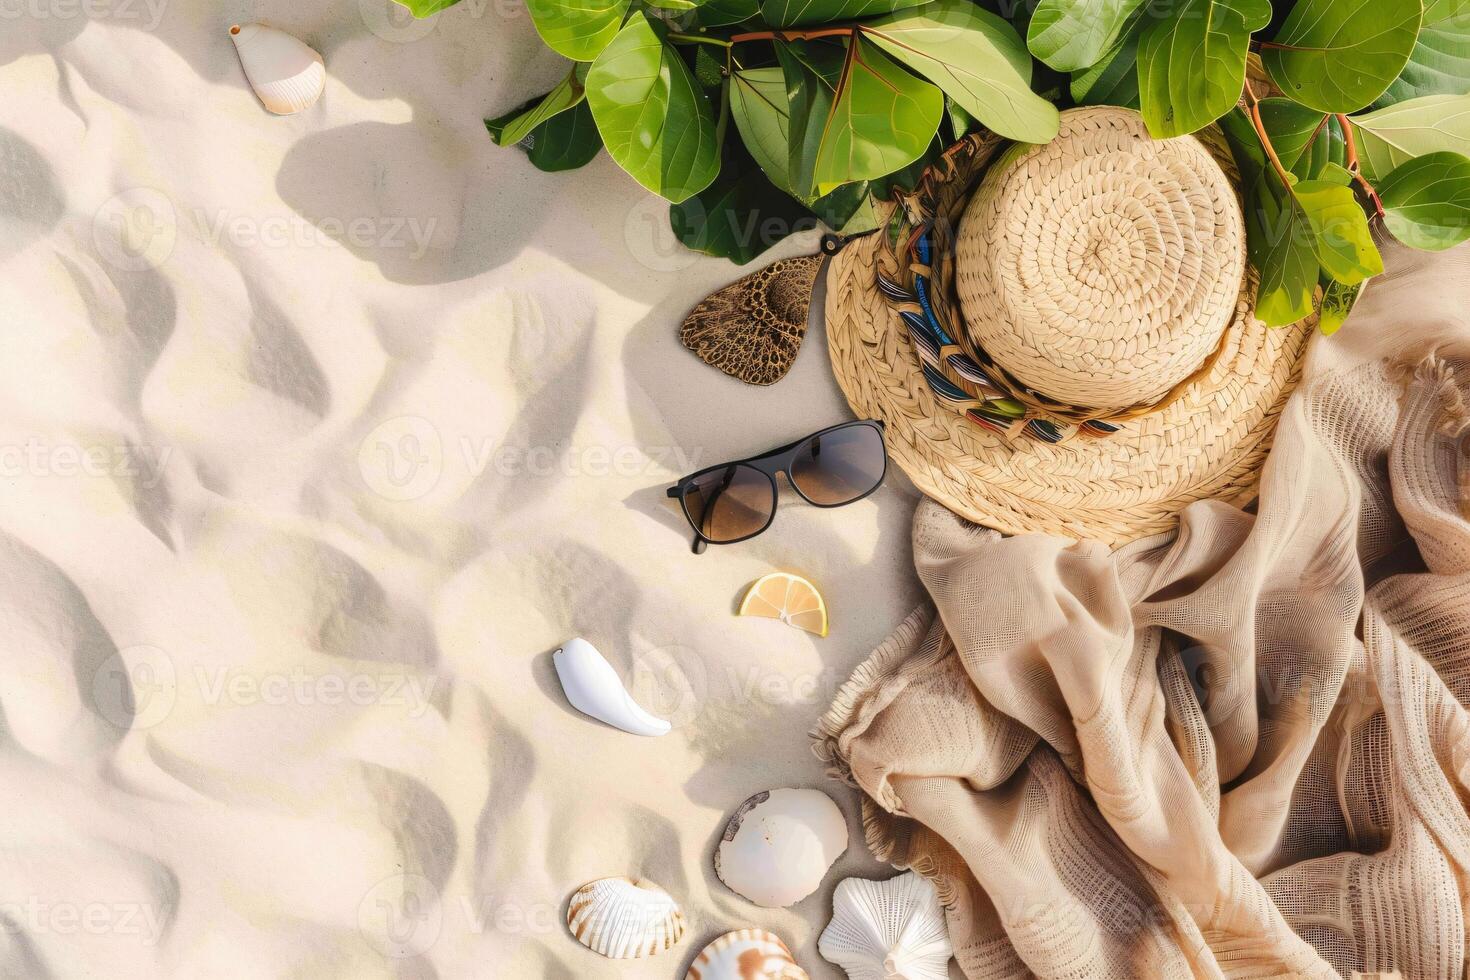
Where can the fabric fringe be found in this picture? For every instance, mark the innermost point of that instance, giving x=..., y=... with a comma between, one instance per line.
x=1439, y=376
x=843, y=717
x=887, y=833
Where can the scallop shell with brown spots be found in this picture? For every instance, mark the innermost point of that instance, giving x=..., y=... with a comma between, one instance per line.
x=746, y=954
x=624, y=919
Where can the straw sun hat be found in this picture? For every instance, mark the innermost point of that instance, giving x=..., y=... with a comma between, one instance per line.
x=1060, y=338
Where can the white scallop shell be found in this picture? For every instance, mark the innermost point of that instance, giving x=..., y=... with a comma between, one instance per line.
x=286, y=73
x=779, y=845
x=593, y=688
x=624, y=919
x=746, y=954
x=888, y=930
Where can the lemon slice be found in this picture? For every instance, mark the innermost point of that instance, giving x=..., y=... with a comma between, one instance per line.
x=790, y=598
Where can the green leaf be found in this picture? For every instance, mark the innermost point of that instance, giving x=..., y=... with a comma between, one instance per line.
x=848, y=210
x=1071, y=35
x=1338, y=300
x=1306, y=142
x=1304, y=139
x=1389, y=137
x=793, y=13
x=1340, y=55
x=738, y=218
x=1426, y=201
x=882, y=119
x=960, y=121
x=657, y=124
x=1282, y=249
x=709, y=68
x=762, y=115
x=812, y=72
x=976, y=58
x=577, y=30
x=426, y=8
x=1191, y=61
x=566, y=141
x=1114, y=79
x=1245, y=146
x=1440, y=61
x=514, y=126
x=1340, y=234
x=884, y=186
x=722, y=13
x=1335, y=173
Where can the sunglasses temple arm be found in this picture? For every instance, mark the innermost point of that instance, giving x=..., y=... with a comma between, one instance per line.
x=700, y=541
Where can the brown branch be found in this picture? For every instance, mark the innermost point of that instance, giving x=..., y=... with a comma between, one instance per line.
x=1260, y=125
x=794, y=35
x=1354, y=166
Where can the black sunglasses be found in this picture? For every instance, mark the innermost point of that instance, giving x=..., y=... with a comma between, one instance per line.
x=731, y=502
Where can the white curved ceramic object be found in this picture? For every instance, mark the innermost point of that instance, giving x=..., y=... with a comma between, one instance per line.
x=593, y=688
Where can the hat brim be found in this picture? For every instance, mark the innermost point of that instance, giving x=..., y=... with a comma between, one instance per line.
x=1210, y=443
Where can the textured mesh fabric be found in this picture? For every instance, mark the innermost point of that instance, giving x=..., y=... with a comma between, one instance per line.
x=1237, y=750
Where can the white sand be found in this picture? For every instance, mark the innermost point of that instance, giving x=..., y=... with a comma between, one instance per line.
x=318, y=434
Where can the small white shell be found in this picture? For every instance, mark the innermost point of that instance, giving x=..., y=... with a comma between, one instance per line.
x=888, y=930
x=746, y=954
x=593, y=688
x=624, y=919
x=779, y=844
x=286, y=74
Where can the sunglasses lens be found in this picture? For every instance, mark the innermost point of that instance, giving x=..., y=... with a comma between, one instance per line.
x=730, y=503
x=840, y=466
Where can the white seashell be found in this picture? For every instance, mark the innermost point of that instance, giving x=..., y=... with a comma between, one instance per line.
x=286, y=74
x=779, y=844
x=593, y=688
x=624, y=919
x=888, y=930
x=746, y=954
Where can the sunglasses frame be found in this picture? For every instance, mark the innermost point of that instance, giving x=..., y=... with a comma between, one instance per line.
x=770, y=464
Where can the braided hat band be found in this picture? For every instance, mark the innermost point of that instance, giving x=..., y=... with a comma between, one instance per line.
x=1207, y=440
x=1103, y=195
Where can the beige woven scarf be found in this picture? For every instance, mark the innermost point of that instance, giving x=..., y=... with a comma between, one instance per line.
x=1238, y=750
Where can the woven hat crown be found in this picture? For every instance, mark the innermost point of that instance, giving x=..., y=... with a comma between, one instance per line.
x=1101, y=269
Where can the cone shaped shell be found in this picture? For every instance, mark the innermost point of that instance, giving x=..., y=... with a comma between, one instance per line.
x=285, y=73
